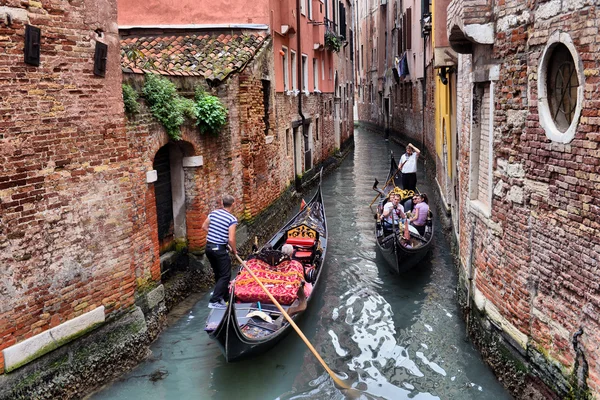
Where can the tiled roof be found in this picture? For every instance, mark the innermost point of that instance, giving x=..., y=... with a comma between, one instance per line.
x=212, y=56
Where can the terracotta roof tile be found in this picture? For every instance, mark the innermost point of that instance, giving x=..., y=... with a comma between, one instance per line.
x=211, y=56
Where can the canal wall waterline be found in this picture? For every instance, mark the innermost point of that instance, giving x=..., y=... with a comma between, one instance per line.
x=527, y=374
x=122, y=341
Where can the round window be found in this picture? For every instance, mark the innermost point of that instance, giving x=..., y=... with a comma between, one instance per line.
x=560, y=88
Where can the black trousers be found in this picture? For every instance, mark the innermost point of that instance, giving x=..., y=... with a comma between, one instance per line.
x=409, y=181
x=221, y=266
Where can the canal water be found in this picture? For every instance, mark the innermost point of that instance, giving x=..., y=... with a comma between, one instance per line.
x=394, y=337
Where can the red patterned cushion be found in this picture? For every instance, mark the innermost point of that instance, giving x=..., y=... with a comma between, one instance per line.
x=300, y=241
x=282, y=281
x=303, y=254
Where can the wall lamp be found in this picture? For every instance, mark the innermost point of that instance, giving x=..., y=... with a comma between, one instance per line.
x=443, y=74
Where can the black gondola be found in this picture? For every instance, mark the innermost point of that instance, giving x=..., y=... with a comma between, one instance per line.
x=400, y=254
x=248, y=328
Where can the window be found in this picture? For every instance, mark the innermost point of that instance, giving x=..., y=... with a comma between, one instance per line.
x=323, y=69
x=266, y=86
x=362, y=58
x=317, y=129
x=288, y=142
x=303, y=7
x=304, y=73
x=481, y=147
x=316, y=74
x=294, y=69
x=560, y=88
x=310, y=9
x=408, y=28
x=286, y=76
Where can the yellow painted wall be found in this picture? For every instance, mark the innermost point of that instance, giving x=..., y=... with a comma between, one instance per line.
x=443, y=119
x=443, y=122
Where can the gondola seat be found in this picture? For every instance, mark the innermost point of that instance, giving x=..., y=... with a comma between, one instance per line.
x=304, y=248
x=282, y=281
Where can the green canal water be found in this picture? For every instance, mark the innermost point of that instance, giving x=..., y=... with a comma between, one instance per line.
x=394, y=337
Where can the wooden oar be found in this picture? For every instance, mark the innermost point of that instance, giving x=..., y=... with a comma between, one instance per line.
x=384, y=186
x=337, y=380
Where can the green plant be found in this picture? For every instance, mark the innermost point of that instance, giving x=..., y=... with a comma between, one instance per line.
x=130, y=97
x=166, y=104
x=332, y=41
x=211, y=115
x=133, y=53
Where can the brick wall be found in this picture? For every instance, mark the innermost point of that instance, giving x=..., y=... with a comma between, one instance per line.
x=65, y=180
x=536, y=256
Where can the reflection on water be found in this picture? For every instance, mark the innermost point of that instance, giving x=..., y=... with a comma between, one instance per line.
x=392, y=337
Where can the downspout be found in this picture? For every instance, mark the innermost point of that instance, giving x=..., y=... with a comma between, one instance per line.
x=300, y=84
x=299, y=69
x=471, y=272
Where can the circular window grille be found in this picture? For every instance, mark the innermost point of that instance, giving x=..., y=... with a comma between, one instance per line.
x=560, y=88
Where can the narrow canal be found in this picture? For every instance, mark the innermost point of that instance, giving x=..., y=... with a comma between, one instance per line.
x=396, y=337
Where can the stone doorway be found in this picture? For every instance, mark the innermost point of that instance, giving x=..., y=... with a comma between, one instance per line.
x=169, y=193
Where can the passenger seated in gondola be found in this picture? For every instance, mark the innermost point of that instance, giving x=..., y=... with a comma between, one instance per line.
x=288, y=249
x=420, y=212
x=392, y=213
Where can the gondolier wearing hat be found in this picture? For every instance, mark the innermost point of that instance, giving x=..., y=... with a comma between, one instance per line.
x=220, y=225
x=408, y=167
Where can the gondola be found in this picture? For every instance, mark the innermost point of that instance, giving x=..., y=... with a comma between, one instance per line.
x=250, y=325
x=400, y=254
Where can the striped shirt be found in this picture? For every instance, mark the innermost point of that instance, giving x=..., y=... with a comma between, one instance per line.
x=218, y=228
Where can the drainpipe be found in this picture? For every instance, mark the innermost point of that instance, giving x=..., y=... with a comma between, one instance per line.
x=470, y=275
x=424, y=87
x=299, y=69
x=300, y=83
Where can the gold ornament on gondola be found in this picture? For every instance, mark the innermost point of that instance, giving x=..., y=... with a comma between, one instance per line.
x=404, y=194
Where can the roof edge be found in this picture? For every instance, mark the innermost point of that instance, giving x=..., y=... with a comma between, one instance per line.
x=198, y=26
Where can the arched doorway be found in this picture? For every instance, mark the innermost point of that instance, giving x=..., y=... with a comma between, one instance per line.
x=169, y=193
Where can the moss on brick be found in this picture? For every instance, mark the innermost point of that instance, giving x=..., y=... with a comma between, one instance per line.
x=53, y=346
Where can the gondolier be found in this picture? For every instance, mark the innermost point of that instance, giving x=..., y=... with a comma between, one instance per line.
x=408, y=167
x=220, y=225
x=252, y=322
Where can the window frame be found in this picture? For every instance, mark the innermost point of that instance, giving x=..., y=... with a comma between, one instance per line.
x=294, y=67
x=315, y=74
x=545, y=114
x=304, y=73
x=285, y=67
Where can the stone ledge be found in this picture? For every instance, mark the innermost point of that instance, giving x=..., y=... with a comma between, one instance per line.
x=24, y=352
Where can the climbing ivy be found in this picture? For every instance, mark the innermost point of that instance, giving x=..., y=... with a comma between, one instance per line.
x=211, y=115
x=130, y=97
x=171, y=109
x=167, y=105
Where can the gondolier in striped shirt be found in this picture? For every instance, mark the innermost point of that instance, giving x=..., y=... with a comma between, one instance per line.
x=220, y=225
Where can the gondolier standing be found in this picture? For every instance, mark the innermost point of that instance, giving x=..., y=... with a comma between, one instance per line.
x=408, y=167
x=220, y=225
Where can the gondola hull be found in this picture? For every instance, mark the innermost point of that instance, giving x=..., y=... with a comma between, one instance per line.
x=400, y=258
x=236, y=346
x=231, y=327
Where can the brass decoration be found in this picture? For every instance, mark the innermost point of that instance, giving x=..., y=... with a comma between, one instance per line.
x=404, y=194
x=302, y=231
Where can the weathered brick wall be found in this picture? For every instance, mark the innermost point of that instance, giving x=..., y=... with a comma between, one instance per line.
x=65, y=177
x=314, y=106
x=536, y=257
